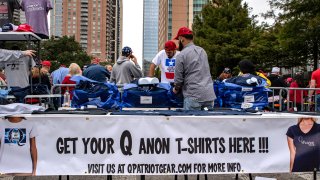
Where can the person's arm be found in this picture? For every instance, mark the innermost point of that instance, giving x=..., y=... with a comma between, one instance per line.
x=113, y=77
x=151, y=69
x=312, y=85
x=34, y=155
x=135, y=69
x=8, y=54
x=292, y=150
x=178, y=74
x=155, y=62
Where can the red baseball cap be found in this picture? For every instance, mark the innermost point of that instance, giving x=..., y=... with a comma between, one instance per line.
x=183, y=31
x=95, y=60
x=170, y=46
x=24, y=28
x=46, y=63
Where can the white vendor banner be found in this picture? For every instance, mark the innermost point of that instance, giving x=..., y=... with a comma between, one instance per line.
x=158, y=145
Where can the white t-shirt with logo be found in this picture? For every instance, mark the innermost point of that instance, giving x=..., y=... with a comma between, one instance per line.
x=15, y=154
x=167, y=65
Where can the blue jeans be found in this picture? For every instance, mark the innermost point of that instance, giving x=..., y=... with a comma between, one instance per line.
x=193, y=104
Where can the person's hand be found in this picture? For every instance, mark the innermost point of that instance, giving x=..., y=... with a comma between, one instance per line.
x=29, y=53
x=133, y=59
x=309, y=100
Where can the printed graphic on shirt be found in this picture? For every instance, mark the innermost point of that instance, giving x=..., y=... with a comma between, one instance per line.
x=4, y=10
x=15, y=136
x=14, y=66
x=306, y=142
x=34, y=7
x=170, y=65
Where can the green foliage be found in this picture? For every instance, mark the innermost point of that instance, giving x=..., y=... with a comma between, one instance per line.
x=265, y=49
x=17, y=45
x=64, y=50
x=300, y=30
x=225, y=31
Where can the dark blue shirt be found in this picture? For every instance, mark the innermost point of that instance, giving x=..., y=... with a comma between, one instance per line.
x=96, y=72
x=307, y=148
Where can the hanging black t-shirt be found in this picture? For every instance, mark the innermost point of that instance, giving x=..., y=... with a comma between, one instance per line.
x=307, y=145
x=6, y=11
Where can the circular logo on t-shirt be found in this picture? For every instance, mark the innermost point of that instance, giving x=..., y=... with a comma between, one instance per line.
x=15, y=136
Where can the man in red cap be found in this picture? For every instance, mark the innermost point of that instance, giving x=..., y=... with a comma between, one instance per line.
x=45, y=66
x=45, y=71
x=192, y=73
x=166, y=59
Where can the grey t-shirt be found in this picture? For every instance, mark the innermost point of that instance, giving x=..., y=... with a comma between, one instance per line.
x=6, y=11
x=17, y=67
x=36, y=14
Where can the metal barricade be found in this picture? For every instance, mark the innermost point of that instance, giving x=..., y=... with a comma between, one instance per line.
x=293, y=99
x=301, y=101
x=276, y=100
x=54, y=90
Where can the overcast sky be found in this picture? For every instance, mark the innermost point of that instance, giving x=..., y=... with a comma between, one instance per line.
x=258, y=6
x=133, y=22
x=132, y=26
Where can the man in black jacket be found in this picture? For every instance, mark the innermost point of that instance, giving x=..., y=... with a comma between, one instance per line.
x=277, y=81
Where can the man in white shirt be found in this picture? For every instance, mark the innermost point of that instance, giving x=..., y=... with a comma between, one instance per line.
x=166, y=60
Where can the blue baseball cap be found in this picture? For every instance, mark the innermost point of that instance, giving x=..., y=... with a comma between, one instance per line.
x=126, y=51
x=9, y=27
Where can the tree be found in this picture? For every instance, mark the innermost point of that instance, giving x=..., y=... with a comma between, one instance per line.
x=225, y=30
x=266, y=49
x=300, y=32
x=64, y=50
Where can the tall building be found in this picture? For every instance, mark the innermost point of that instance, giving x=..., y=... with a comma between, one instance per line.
x=96, y=25
x=56, y=18
x=180, y=13
x=16, y=16
x=162, y=19
x=163, y=22
x=150, y=32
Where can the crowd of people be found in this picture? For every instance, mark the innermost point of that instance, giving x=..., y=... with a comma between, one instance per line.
x=185, y=67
